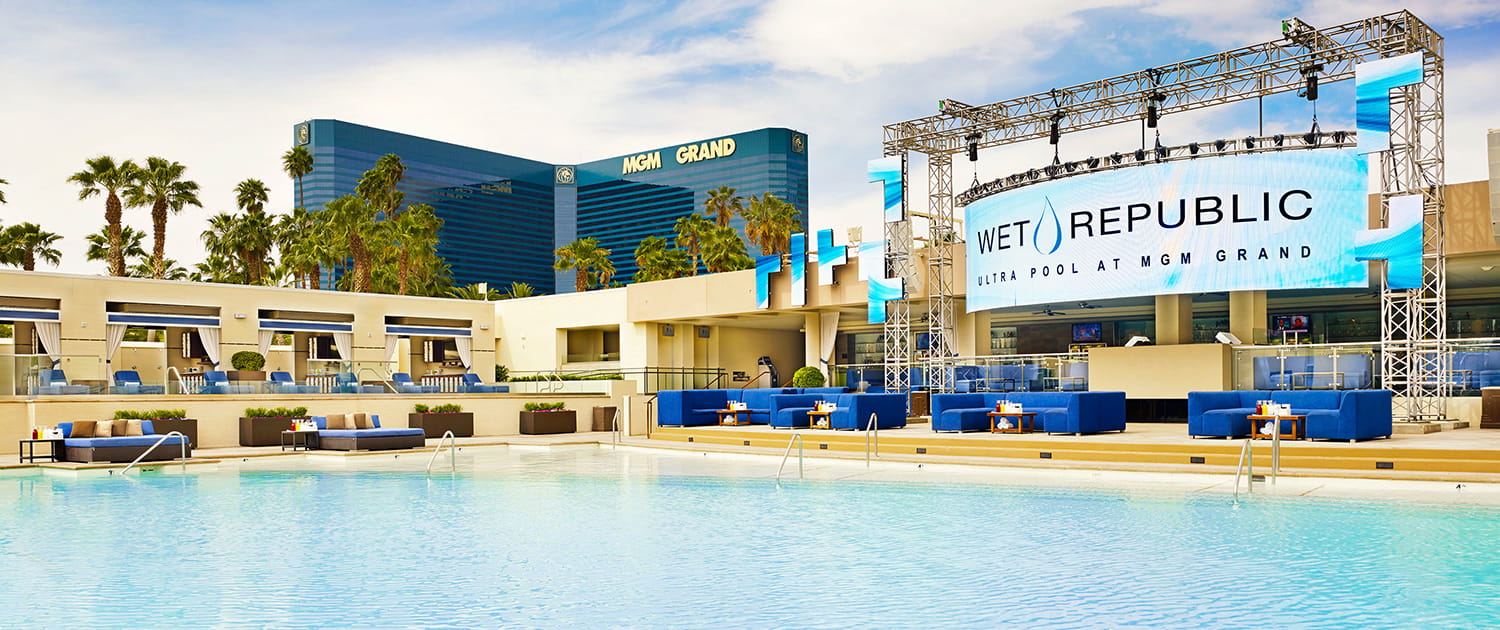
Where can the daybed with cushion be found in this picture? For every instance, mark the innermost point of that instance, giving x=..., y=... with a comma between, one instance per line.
x=129, y=382
x=1359, y=414
x=55, y=383
x=362, y=432
x=134, y=437
x=1056, y=412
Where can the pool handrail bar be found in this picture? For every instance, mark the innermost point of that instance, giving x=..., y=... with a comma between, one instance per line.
x=158, y=443
x=452, y=450
x=795, y=438
x=1247, y=463
x=614, y=429
x=384, y=379
x=181, y=382
x=871, y=429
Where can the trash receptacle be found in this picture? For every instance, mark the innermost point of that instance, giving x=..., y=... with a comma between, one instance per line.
x=603, y=417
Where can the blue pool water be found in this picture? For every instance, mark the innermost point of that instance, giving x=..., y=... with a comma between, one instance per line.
x=573, y=541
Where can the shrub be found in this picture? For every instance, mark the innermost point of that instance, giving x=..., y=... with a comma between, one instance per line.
x=275, y=412
x=154, y=414
x=566, y=377
x=536, y=406
x=247, y=360
x=419, y=408
x=808, y=376
x=448, y=408
x=502, y=373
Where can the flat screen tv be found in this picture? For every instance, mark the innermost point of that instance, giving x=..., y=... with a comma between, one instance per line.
x=1290, y=323
x=322, y=348
x=1088, y=333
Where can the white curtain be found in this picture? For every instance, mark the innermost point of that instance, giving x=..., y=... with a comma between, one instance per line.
x=51, y=335
x=210, y=337
x=114, y=335
x=465, y=350
x=390, y=345
x=263, y=344
x=344, y=341
x=828, y=330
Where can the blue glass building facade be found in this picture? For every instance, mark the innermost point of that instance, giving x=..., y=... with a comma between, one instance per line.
x=503, y=215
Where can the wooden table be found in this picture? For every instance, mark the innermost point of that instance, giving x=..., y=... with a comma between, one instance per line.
x=731, y=417
x=1025, y=421
x=814, y=417
x=1298, y=426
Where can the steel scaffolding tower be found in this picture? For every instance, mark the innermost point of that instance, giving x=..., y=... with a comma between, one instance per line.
x=1413, y=322
x=898, y=264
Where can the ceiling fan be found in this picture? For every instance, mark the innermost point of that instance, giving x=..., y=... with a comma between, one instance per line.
x=1047, y=310
x=1087, y=306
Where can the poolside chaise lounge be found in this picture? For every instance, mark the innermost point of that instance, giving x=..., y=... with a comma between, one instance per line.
x=362, y=432
x=1358, y=414
x=404, y=385
x=1056, y=412
x=348, y=383
x=851, y=411
x=472, y=385
x=282, y=383
x=136, y=436
x=699, y=407
x=129, y=382
x=55, y=383
x=217, y=382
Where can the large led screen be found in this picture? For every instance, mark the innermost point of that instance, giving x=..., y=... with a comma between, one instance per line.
x=1262, y=221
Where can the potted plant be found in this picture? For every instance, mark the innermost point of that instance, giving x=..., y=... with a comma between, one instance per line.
x=808, y=376
x=262, y=427
x=164, y=421
x=247, y=366
x=434, y=421
x=545, y=418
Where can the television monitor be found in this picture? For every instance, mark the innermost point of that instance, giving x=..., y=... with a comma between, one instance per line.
x=322, y=348
x=1290, y=323
x=1088, y=333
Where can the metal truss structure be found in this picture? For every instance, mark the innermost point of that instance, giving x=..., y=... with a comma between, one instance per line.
x=1413, y=322
x=898, y=264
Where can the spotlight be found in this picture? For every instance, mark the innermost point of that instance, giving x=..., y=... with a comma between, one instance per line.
x=1033, y=174
x=973, y=139
x=1114, y=158
x=1279, y=139
x=1055, y=134
x=1220, y=144
x=1051, y=170
x=1340, y=136
x=1312, y=137
x=1140, y=155
x=1249, y=142
x=1093, y=162
x=1070, y=166
x=1151, y=113
x=1161, y=151
x=1193, y=148
x=1311, y=74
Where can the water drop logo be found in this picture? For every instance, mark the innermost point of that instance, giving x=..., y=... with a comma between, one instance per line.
x=1048, y=234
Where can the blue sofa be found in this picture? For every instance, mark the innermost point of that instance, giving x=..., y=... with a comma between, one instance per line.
x=851, y=410
x=699, y=407
x=1057, y=412
x=1313, y=372
x=129, y=382
x=55, y=383
x=1351, y=415
x=282, y=383
x=122, y=448
x=1475, y=369
x=376, y=439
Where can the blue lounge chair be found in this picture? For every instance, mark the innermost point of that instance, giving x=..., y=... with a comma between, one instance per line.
x=404, y=385
x=347, y=383
x=129, y=382
x=282, y=383
x=55, y=383
x=472, y=385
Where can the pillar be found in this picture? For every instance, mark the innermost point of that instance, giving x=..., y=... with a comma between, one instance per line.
x=972, y=331
x=1174, y=319
x=812, y=338
x=1247, y=315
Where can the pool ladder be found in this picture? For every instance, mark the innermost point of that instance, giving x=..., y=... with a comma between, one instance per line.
x=1247, y=459
x=795, y=439
x=452, y=451
x=158, y=443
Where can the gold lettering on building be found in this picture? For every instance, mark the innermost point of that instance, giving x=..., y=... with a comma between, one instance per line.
x=641, y=162
x=689, y=153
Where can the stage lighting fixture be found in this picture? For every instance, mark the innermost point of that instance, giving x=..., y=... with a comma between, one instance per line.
x=973, y=139
x=1055, y=133
x=1161, y=151
x=1340, y=136
x=1193, y=148
x=1312, y=137
x=1151, y=112
x=1140, y=155
x=1070, y=166
x=1311, y=74
x=1279, y=139
x=1114, y=158
x=1033, y=174
x=1249, y=142
x=1051, y=170
x=1093, y=162
x=1220, y=144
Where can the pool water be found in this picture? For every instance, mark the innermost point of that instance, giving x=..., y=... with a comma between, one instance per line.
x=574, y=538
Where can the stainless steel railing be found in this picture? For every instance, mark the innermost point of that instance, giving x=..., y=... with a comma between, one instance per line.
x=452, y=450
x=153, y=447
x=797, y=439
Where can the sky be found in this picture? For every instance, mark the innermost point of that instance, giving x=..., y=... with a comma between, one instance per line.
x=218, y=86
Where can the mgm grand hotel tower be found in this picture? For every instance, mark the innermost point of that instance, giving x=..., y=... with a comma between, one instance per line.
x=503, y=216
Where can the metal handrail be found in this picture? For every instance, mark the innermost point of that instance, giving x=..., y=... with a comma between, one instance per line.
x=871, y=428
x=384, y=379
x=158, y=443
x=1247, y=456
x=797, y=438
x=452, y=449
x=614, y=429
x=181, y=382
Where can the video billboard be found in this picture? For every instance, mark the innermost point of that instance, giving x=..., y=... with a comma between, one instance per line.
x=1252, y=222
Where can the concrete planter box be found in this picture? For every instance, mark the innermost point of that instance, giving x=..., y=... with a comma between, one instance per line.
x=548, y=422
x=435, y=424
x=185, y=426
x=265, y=431
x=604, y=418
x=245, y=376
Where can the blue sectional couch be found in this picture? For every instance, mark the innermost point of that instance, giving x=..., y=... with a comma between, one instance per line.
x=699, y=407
x=851, y=411
x=1331, y=415
x=1354, y=371
x=376, y=439
x=123, y=448
x=1057, y=412
x=1475, y=369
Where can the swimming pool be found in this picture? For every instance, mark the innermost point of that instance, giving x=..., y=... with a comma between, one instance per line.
x=585, y=537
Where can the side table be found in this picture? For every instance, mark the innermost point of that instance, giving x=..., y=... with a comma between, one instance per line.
x=819, y=420
x=1025, y=422
x=54, y=451
x=299, y=440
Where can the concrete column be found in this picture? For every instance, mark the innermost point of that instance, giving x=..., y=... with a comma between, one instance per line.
x=1174, y=319
x=1247, y=315
x=973, y=332
x=812, y=337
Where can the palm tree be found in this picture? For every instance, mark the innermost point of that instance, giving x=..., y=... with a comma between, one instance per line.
x=218, y=268
x=414, y=237
x=472, y=292
x=690, y=230
x=353, y=218
x=2, y=193
x=301, y=252
x=589, y=262
x=769, y=223
x=161, y=186
x=722, y=204
x=251, y=196
x=252, y=235
x=146, y=268
x=724, y=251
x=131, y=241
x=104, y=175
x=27, y=244
x=656, y=261
x=297, y=163
x=378, y=185
x=520, y=290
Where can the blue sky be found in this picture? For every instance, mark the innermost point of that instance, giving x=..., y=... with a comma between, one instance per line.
x=218, y=86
